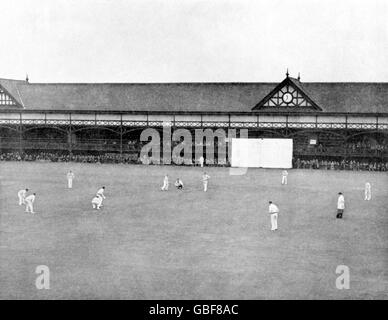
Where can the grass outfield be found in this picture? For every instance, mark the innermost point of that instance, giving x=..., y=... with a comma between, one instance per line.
x=149, y=244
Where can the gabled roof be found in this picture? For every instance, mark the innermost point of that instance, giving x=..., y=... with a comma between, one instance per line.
x=192, y=97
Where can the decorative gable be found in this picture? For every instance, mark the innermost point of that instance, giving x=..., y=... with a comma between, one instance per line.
x=288, y=95
x=6, y=100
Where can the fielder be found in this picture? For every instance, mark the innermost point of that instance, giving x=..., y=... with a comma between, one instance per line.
x=29, y=203
x=340, y=205
x=205, y=179
x=22, y=196
x=97, y=202
x=368, y=191
x=70, y=177
x=179, y=184
x=273, y=211
x=100, y=193
x=284, y=176
x=165, y=183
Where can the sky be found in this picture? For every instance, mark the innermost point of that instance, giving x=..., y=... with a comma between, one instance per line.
x=194, y=40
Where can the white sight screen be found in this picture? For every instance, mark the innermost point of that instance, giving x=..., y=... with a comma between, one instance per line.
x=262, y=153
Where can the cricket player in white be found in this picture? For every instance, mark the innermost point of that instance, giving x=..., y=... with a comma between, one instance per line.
x=205, y=179
x=340, y=205
x=22, y=196
x=368, y=192
x=165, y=183
x=29, y=203
x=201, y=161
x=70, y=177
x=97, y=202
x=284, y=176
x=100, y=193
x=179, y=184
x=273, y=211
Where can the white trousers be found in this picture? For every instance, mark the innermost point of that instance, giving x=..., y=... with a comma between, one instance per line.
x=368, y=195
x=165, y=186
x=29, y=207
x=21, y=200
x=284, y=179
x=96, y=204
x=70, y=183
x=274, y=221
x=205, y=186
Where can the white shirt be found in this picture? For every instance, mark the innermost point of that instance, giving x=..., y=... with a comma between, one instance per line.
x=205, y=178
x=100, y=193
x=22, y=193
x=30, y=198
x=285, y=173
x=165, y=179
x=367, y=186
x=273, y=208
x=201, y=160
x=70, y=175
x=341, y=202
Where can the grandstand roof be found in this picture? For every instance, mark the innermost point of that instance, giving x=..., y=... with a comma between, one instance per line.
x=193, y=97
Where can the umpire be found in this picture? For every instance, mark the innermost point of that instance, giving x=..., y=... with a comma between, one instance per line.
x=340, y=205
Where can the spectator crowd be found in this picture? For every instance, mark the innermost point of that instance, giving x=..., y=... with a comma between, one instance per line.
x=61, y=157
x=327, y=164
x=297, y=163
